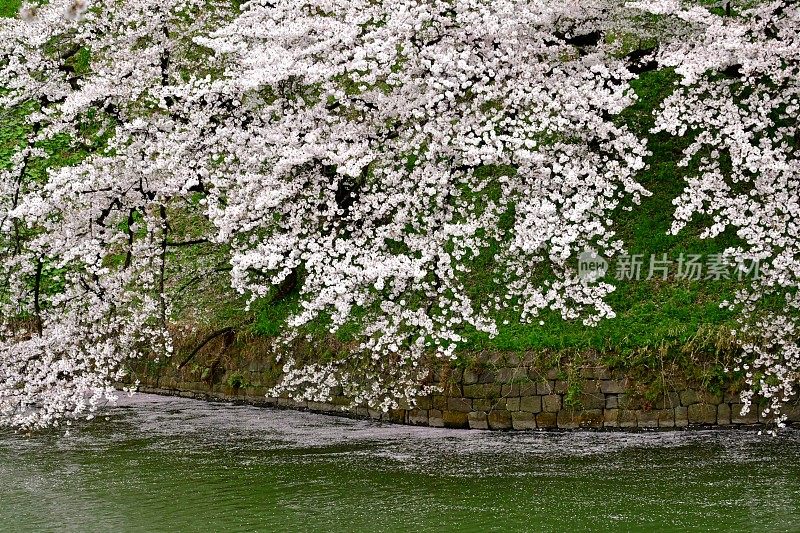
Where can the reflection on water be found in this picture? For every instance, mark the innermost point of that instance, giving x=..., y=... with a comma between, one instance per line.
x=161, y=463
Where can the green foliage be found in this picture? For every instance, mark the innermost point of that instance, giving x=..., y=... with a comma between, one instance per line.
x=9, y=8
x=271, y=319
x=572, y=398
x=236, y=381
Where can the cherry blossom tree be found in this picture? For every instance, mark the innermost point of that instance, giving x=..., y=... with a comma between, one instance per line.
x=372, y=157
x=83, y=251
x=738, y=101
x=359, y=150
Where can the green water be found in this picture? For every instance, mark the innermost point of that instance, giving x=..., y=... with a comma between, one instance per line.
x=169, y=464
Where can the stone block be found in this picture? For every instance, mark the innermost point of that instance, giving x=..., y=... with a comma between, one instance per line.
x=602, y=372
x=612, y=401
x=536, y=375
x=567, y=420
x=689, y=397
x=498, y=359
x=341, y=401
x=487, y=376
x=499, y=419
x=545, y=387
x=611, y=418
x=478, y=420
x=613, y=386
x=627, y=401
x=560, y=387
x=723, y=414
x=512, y=404
x=591, y=387
x=516, y=390
x=418, y=417
x=573, y=419
x=523, y=420
x=589, y=400
x=470, y=376
x=551, y=403
x=666, y=418
x=455, y=419
x=546, y=420
x=681, y=417
x=463, y=405
x=395, y=416
x=321, y=407
x=531, y=404
x=482, y=404
x=452, y=389
x=711, y=398
x=738, y=418
x=793, y=413
x=592, y=418
x=483, y=390
x=439, y=402
x=552, y=373
x=435, y=418
x=646, y=419
x=509, y=375
x=668, y=400
x=702, y=413
x=627, y=418
x=423, y=402
x=287, y=402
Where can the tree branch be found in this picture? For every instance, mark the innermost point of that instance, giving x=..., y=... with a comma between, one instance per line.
x=211, y=337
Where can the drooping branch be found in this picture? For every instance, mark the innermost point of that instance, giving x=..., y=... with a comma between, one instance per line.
x=37, y=286
x=218, y=333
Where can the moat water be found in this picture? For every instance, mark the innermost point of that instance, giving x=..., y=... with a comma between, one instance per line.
x=157, y=464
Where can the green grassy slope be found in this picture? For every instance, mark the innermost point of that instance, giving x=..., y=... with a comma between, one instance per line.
x=9, y=8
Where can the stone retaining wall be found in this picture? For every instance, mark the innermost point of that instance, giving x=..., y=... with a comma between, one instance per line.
x=489, y=397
